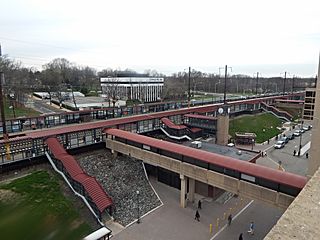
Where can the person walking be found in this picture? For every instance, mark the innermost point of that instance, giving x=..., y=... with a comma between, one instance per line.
x=294, y=152
x=229, y=219
x=199, y=204
x=251, y=228
x=197, y=216
x=307, y=155
x=240, y=236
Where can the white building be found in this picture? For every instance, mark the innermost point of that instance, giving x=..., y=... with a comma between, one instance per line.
x=145, y=89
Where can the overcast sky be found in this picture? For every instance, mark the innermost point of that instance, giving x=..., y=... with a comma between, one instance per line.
x=269, y=36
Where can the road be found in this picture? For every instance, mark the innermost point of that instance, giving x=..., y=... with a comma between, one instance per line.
x=42, y=107
x=293, y=164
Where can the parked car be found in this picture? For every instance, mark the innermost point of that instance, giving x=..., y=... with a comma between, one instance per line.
x=306, y=128
x=297, y=133
x=291, y=136
x=279, y=144
x=285, y=139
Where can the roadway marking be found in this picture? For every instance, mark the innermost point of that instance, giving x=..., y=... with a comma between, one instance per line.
x=225, y=226
x=282, y=168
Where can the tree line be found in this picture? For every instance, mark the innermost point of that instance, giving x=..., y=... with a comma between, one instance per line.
x=61, y=75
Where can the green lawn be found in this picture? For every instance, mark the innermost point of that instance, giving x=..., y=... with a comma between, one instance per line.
x=19, y=111
x=263, y=125
x=33, y=207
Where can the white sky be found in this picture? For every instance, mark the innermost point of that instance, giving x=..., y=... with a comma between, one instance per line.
x=269, y=36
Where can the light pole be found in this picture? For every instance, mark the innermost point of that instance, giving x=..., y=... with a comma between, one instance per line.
x=284, y=83
x=252, y=144
x=257, y=83
x=13, y=110
x=138, y=221
x=189, y=94
x=301, y=127
x=225, y=83
x=215, y=86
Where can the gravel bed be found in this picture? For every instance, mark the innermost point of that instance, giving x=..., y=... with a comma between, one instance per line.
x=121, y=178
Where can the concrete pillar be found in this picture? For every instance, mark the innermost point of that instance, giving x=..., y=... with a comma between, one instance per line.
x=192, y=187
x=314, y=159
x=114, y=153
x=183, y=200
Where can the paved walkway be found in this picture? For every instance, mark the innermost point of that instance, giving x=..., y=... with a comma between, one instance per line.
x=173, y=222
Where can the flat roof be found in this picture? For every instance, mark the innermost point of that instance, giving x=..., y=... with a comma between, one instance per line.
x=224, y=150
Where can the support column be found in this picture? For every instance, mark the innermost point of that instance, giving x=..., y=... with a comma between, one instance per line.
x=192, y=187
x=183, y=200
x=114, y=153
x=314, y=160
x=222, y=129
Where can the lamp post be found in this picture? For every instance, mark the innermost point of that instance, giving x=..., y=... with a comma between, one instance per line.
x=257, y=83
x=189, y=93
x=138, y=221
x=301, y=127
x=13, y=110
x=225, y=83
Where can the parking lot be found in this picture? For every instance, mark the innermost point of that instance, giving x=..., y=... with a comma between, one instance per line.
x=288, y=154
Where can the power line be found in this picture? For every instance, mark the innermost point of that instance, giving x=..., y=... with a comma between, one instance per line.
x=33, y=43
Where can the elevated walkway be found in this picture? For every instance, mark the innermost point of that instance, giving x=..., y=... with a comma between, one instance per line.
x=149, y=154
x=276, y=112
x=82, y=184
x=175, y=137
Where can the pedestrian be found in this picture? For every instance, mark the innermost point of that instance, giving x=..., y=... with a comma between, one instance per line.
x=240, y=236
x=294, y=152
x=277, y=137
x=199, y=204
x=251, y=228
x=307, y=155
x=229, y=219
x=268, y=140
x=197, y=216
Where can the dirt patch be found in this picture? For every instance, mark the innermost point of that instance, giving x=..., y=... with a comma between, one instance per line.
x=7, y=195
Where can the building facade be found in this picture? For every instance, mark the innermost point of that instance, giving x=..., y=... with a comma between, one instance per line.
x=144, y=89
x=309, y=103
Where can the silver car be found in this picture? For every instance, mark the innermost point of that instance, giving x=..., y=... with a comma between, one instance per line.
x=279, y=144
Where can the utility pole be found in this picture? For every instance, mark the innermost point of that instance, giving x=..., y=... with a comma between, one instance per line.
x=3, y=118
x=284, y=83
x=74, y=100
x=257, y=83
x=189, y=94
x=225, y=83
x=292, y=88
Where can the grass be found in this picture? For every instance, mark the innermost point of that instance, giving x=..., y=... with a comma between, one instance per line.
x=19, y=111
x=33, y=207
x=294, y=112
x=263, y=125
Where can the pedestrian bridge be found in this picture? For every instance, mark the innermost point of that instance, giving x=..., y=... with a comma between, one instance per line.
x=245, y=179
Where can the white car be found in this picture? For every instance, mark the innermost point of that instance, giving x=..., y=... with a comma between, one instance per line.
x=279, y=144
x=297, y=133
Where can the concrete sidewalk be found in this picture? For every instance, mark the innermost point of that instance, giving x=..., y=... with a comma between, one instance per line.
x=173, y=222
